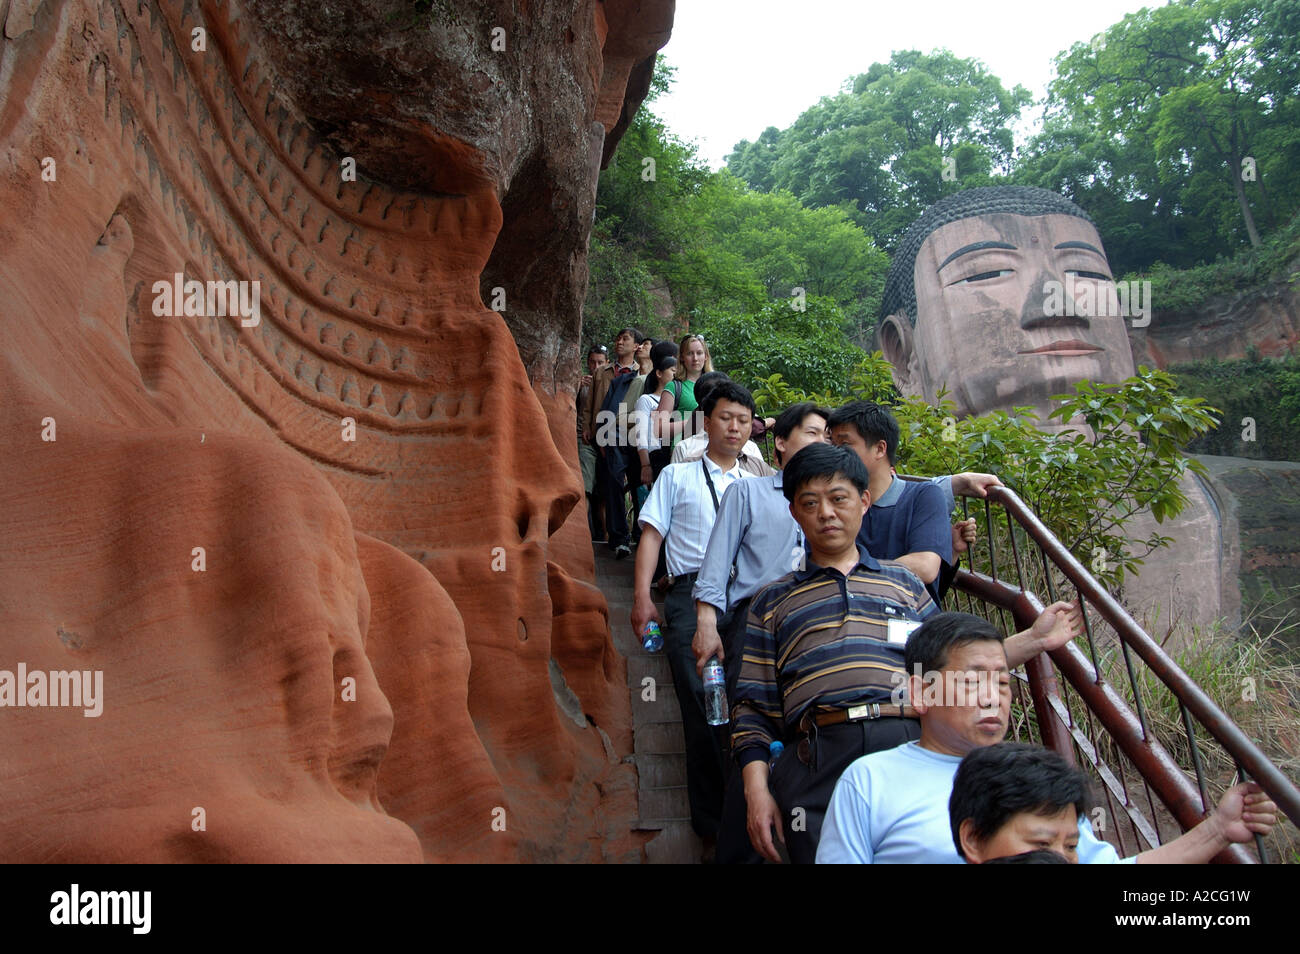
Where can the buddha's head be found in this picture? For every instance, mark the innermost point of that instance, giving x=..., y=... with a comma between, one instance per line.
x=998, y=295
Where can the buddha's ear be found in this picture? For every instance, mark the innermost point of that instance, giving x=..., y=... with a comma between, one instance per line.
x=895, y=337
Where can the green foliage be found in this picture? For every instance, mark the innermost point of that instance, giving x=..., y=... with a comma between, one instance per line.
x=869, y=380
x=878, y=147
x=1181, y=290
x=1149, y=129
x=618, y=292
x=1263, y=390
x=663, y=220
x=752, y=248
x=805, y=347
x=1085, y=484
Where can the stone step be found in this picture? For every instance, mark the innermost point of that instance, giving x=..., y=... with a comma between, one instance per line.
x=676, y=844
x=655, y=665
x=659, y=745
x=664, y=804
x=660, y=708
x=659, y=738
x=661, y=771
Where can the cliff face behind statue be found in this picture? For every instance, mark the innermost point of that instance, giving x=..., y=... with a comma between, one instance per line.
x=324, y=560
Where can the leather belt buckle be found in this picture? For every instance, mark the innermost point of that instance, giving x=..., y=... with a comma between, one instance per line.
x=857, y=713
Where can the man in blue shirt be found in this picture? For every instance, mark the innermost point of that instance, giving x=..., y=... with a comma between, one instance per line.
x=907, y=520
x=892, y=806
x=755, y=535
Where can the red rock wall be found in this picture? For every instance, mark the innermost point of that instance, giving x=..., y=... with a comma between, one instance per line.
x=438, y=559
x=1265, y=318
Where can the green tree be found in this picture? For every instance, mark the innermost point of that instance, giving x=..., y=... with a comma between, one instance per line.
x=664, y=221
x=880, y=145
x=805, y=345
x=1178, y=128
x=779, y=246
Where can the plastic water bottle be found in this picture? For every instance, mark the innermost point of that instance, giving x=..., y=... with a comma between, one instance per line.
x=651, y=638
x=715, y=693
x=774, y=750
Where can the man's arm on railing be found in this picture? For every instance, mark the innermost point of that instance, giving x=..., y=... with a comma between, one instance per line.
x=1054, y=627
x=1244, y=812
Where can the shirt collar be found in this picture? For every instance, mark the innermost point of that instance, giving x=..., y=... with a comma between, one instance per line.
x=714, y=468
x=864, y=559
x=890, y=496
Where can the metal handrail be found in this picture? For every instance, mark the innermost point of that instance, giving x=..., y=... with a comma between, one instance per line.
x=1186, y=801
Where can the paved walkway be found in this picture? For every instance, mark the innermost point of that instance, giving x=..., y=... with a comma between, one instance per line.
x=660, y=750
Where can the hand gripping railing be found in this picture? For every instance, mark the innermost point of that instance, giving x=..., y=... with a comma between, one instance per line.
x=1126, y=732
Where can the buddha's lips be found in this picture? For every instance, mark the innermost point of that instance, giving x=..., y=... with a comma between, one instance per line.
x=1072, y=346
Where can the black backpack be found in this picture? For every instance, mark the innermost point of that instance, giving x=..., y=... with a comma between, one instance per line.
x=613, y=398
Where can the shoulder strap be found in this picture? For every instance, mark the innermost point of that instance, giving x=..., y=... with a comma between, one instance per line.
x=709, y=480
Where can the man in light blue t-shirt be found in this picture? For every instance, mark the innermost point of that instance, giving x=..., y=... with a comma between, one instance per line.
x=892, y=806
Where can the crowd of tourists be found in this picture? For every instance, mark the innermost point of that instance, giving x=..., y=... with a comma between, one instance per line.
x=866, y=724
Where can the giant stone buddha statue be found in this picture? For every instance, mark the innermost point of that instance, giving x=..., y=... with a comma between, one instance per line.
x=973, y=302
x=1003, y=297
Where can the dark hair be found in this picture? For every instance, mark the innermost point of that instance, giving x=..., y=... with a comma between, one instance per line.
x=705, y=384
x=900, y=285
x=726, y=390
x=597, y=349
x=1041, y=857
x=929, y=646
x=873, y=422
x=995, y=782
x=663, y=355
x=636, y=335
x=822, y=461
x=792, y=417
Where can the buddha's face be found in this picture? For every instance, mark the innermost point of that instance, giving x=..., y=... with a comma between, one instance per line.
x=990, y=323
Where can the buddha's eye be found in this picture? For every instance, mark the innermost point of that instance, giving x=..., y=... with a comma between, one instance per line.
x=1097, y=276
x=983, y=277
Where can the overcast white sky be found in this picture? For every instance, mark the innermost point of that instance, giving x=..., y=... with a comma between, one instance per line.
x=744, y=65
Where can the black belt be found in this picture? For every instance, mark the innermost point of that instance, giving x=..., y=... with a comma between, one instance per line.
x=684, y=578
x=872, y=710
x=811, y=721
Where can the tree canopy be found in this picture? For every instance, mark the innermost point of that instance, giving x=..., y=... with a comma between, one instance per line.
x=878, y=147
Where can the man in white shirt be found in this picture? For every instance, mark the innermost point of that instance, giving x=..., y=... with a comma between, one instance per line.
x=679, y=515
x=693, y=447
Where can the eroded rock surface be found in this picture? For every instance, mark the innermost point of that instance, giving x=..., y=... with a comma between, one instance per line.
x=1227, y=326
x=357, y=664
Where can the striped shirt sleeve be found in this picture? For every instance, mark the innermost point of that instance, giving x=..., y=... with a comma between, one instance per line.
x=757, y=714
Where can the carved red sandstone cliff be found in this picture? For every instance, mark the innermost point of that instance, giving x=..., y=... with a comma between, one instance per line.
x=437, y=559
x=1266, y=318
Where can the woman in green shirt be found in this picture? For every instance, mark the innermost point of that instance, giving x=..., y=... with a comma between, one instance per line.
x=679, y=395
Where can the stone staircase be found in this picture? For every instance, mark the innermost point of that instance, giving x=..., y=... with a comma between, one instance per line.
x=660, y=750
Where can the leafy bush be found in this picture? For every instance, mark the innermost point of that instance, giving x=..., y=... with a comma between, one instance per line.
x=1085, y=484
x=1187, y=289
x=1264, y=393
x=805, y=347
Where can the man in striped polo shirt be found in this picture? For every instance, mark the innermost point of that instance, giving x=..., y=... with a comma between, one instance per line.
x=823, y=653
